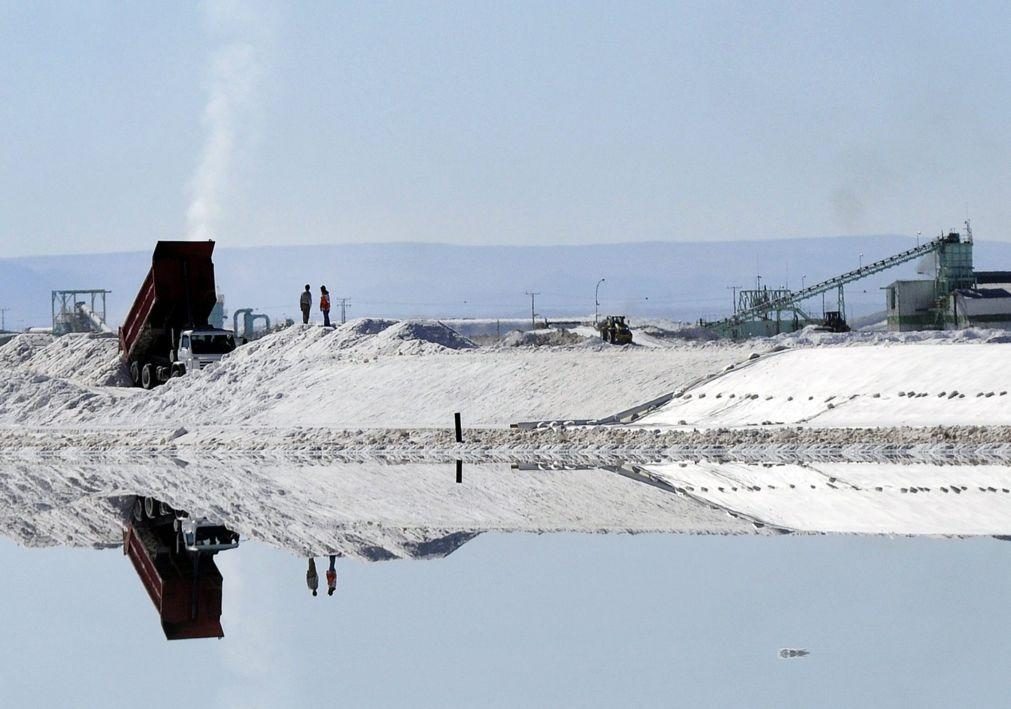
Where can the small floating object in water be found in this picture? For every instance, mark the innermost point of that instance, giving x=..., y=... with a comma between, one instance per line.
x=788, y=653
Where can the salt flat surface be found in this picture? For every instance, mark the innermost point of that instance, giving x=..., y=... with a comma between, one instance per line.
x=855, y=497
x=925, y=384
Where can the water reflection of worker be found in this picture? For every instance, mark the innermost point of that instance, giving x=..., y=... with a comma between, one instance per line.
x=331, y=577
x=311, y=577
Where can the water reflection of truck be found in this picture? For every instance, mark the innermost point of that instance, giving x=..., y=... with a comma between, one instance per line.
x=173, y=554
x=166, y=333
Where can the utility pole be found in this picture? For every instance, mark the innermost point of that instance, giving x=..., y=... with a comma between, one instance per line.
x=345, y=304
x=596, y=301
x=3, y=319
x=533, y=317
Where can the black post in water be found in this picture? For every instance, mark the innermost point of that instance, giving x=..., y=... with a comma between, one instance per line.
x=459, y=471
x=459, y=428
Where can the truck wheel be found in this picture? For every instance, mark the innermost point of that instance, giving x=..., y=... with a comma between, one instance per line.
x=147, y=379
x=138, y=510
x=135, y=373
x=149, y=508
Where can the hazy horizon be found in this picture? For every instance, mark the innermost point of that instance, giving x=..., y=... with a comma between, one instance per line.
x=149, y=247
x=516, y=124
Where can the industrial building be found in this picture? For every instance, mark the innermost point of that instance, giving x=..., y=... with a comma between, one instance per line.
x=986, y=305
x=955, y=296
x=958, y=296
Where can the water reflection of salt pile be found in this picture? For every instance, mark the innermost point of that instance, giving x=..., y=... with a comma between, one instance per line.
x=862, y=498
x=375, y=511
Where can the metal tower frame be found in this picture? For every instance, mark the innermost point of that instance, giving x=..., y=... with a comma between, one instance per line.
x=783, y=300
x=65, y=315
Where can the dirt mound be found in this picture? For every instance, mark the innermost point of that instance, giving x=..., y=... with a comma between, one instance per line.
x=357, y=331
x=417, y=337
x=543, y=338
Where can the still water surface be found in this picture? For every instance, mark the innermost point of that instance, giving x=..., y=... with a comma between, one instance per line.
x=509, y=619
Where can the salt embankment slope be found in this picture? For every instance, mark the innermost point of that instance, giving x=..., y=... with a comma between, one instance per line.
x=367, y=373
x=372, y=373
x=855, y=497
x=312, y=378
x=923, y=384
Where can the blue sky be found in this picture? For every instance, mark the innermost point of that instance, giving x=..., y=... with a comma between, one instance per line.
x=519, y=123
x=532, y=620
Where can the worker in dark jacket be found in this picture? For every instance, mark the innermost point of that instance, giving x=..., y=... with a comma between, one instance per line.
x=324, y=305
x=305, y=302
x=311, y=577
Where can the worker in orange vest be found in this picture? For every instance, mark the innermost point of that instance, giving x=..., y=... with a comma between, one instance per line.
x=331, y=577
x=324, y=305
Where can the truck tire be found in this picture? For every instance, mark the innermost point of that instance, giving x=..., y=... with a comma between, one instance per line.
x=135, y=373
x=147, y=378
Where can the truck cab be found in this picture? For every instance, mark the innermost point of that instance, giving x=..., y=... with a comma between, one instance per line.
x=198, y=348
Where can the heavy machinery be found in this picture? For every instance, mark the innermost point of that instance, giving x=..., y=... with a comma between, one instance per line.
x=834, y=322
x=173, y=554
x=615, y=330
x=166, y=333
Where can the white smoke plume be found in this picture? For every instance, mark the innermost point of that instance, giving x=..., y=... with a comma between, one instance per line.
x=231, y=83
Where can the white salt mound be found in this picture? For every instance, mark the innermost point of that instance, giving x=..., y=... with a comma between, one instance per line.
x=88, y=359
x=414, y=337
x=544, y=338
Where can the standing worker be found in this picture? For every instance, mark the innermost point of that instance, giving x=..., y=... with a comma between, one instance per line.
x=305, y=302
x=331, y=576
x=311, y=577
x=324, y=305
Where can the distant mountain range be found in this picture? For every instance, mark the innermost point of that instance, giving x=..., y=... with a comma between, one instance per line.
x=677, y=280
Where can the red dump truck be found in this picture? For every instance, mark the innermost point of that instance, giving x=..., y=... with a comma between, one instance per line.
x=173, y=554
x=167, y=332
